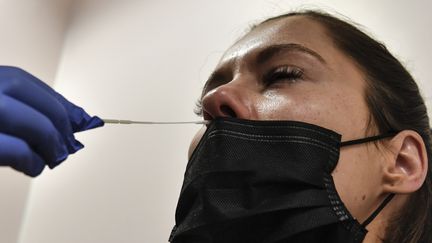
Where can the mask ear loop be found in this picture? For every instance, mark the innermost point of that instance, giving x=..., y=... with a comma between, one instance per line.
x=378, y=210
x=389, y=197
x=367, y=139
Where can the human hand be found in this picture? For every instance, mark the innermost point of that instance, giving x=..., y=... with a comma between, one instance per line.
x=37, y=124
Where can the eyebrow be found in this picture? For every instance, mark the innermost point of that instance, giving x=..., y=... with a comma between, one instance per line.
x=268, y=53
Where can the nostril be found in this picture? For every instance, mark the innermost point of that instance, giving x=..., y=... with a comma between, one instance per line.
x=227, y=111
x=207, y=116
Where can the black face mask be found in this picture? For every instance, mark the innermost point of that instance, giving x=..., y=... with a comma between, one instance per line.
x=265, y=182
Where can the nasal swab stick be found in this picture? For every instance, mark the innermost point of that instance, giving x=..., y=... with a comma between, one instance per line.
x=127, y=122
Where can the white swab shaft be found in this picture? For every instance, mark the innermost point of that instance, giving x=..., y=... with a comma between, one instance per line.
x=116, y=121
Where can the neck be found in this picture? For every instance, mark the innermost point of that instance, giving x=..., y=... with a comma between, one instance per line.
x=377, y=228
x=372, y=238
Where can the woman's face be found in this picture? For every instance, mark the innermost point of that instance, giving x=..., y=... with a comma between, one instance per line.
x=289, y=69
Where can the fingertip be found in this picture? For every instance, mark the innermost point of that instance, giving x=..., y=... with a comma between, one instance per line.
x=58, y=160
x=94, y=122
x=75, y=146
x=17, y=154
x=34, y=167
x=81, y=121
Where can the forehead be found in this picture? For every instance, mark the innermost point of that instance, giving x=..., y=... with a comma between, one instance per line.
x=295, y=29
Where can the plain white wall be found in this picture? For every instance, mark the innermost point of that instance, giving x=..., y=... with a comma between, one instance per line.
x=31, y=37
x=148, y=60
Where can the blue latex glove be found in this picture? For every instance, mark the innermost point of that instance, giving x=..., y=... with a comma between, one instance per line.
x=37, y=124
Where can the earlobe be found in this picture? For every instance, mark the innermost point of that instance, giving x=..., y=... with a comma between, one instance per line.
x=406, y=170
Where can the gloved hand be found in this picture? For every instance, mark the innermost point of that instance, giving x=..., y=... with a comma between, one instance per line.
x=37, y=124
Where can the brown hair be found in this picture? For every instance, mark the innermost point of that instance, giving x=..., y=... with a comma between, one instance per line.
x=395, y=103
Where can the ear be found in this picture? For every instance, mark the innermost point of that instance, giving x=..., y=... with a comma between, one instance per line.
x=405, y=170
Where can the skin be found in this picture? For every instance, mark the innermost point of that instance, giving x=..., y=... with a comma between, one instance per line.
x=330, y=94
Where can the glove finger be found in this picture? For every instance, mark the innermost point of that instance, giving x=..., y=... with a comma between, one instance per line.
x=45, y=99
x=39, y=99
x=16, y=153
x=26, y=123
x=81, y=121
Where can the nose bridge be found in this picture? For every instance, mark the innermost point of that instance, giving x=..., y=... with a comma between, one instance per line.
x=232, y=99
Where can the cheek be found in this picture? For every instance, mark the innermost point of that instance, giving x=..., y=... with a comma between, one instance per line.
x=357, y=180
x=338, y=109
x=196, y=139
x=299, y=106
x=273, y=106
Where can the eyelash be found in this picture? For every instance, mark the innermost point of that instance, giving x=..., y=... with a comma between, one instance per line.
x=279, y=74
x=283, y=73
x=198, y=109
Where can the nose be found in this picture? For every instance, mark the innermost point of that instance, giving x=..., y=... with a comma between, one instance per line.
x=228, y=100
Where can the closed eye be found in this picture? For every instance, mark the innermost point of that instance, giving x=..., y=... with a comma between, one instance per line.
x=289, y=74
